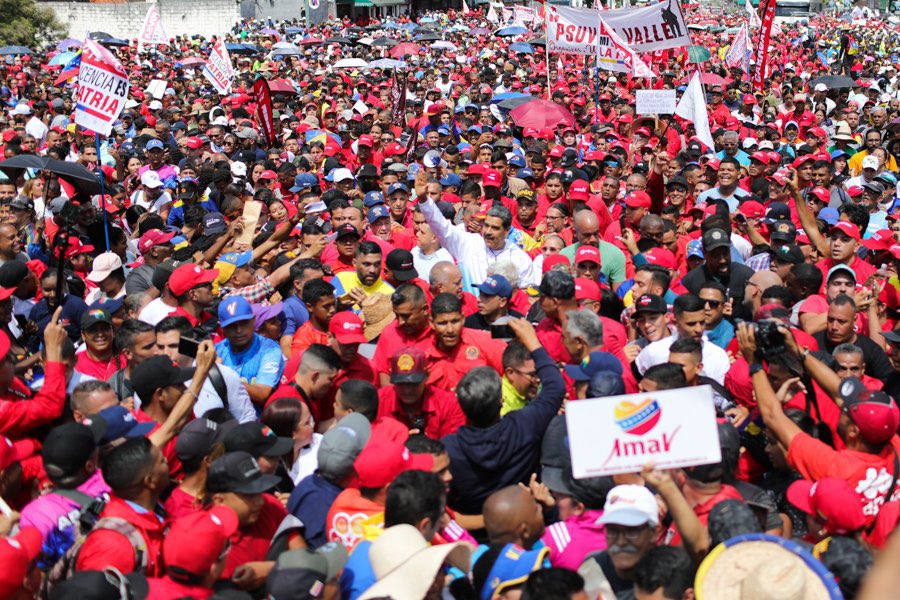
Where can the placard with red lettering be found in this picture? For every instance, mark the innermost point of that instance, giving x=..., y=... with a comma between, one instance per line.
x=102, y=89
x=218, y=68
x=655, y=27
x=621, y=434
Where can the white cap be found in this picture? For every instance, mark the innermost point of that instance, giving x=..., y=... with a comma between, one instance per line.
x=150, y=179
x=239, y=169
x=820, y=87
x=21, y=109
x=799, y=97
x=155, y=105
x=630, y=506
x=220, y=121
x=749, y=143
x=341, y=175
x=314, y=207
x=765, y=145
x=870, y=162
x=103, y=265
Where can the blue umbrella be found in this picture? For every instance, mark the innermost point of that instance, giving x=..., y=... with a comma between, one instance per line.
x=293, y=30
x=427, y=20
x=508, y=96
x=68, y=44
x=523, y=47
x=408, y=26
x=61, y=59
x=387, y=63
x=14, y=50
x=512, y=30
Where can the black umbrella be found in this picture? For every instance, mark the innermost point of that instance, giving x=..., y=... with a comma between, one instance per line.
x=833, y=82
x=99, y=35
x=339, y=40
x=114, y=42
x=512, y=103
x=354, y=29
x=427, y=37
x=538, y=42
x=83, y=180
x=384, y=41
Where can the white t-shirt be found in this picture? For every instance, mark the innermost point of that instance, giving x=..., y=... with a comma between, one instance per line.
x=155, y=311
x=423, y=262
x=307, y=461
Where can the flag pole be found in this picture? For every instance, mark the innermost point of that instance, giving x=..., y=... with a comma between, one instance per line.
x=102, y=191
x=547, y=48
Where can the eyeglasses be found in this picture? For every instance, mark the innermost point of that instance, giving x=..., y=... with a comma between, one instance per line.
x=713, y=303
x=632, y=534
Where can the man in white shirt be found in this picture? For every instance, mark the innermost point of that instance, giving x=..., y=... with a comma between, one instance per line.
x=476, y=252
x=690, y=321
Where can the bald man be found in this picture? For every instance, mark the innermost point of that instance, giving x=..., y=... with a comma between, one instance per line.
x=446, y=278
x=513, y=516
x=587, y=231
x=758, y=283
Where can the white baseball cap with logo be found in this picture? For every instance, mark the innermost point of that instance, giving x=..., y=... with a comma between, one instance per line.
x=103, y=266
x=150, y=179
x=870, y=162
x=630, y=506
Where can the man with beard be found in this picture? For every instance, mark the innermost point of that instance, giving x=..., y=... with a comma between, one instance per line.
x=353, y=287
x=718, y=267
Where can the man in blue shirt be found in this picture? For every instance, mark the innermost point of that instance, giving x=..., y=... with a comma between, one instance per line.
x=256, y=359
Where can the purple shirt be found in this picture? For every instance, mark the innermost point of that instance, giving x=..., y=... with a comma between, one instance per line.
x=52, y=511
x=570, y=541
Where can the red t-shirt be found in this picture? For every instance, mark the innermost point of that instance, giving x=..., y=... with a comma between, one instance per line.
x=104, y=548
x=869, y=474
x=98, y=369
x=440, y=410
x=346, y=516
x=862, y=269
x=163, y=588
x=180, y=503
x=393, y=339
x=250, y=543
x=549, y=332
x=475, y=349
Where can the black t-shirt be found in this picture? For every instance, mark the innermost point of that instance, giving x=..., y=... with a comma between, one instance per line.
x=623, y=589
x=878, y=365
x=477, y=321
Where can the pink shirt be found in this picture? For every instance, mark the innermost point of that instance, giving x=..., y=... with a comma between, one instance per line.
x=52, y=511
x=572, y=540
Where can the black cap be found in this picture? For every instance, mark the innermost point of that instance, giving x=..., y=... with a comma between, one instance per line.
x=400, y=262
x=199, y=436
x=345, y=230
x=187, y=189
x=93, y=316
x=789, y=253
x=68, y=447
x=694, y=148
x=650, y=303
x=678, y=180
x=240, y=473
x=715, y=238
x=102, y=585
x=257, y=439
x=367, y=170
x=156, y=373
x=783, y=231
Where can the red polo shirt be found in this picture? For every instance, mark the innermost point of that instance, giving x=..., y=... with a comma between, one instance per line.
x=475, y=349
x=391, y=340
x=549, y=332
x=104, y=548
x=440, y=409
x=859, y=266
x=250, y=543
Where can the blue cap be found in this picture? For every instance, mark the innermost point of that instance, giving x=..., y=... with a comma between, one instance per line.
x=304, y=181
x=379, y=211
x=373, y=199
x=120, y=422
x=443, y=130
x=512, y=566
x=238, y=259
x=110, y=305
x=154, y=145
x=525, y=173
x=594, y=363
x=395, y=187
x=459, y=108
x=517, y=162
x=495, y=285
x=829, y=215
x=233, y=309
x=837, y=153
x=474, y=128
x=694, y=248
x=214, y=223
x=887, y=177
x=451, y=179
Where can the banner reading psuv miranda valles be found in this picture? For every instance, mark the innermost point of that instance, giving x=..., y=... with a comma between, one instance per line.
x=102, y=89
x=654, y=27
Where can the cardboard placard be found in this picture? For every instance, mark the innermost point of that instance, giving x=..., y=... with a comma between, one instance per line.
x=621, y=434
x=252, y=210
x=654, y=102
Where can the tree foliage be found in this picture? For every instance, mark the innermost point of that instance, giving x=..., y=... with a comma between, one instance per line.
x=24, y=23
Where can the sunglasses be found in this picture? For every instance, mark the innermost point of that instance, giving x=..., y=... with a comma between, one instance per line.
x=713, y=303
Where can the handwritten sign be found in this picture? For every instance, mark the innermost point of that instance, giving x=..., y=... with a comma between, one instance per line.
x=621, y=434
x=654, y=102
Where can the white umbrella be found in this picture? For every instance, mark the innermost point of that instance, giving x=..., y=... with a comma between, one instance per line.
x=444, y=45
x=350, y=63
x=366, y=41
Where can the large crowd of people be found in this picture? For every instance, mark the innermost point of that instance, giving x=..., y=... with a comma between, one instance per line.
x=333, y=360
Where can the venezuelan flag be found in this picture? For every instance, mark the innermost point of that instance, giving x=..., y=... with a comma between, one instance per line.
x=71, y=69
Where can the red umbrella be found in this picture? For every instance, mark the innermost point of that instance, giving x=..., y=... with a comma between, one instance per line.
x=404, y=48
x=281, y=86
x=541, y=114
x=310, y=41
x=193, y=60
x=712, y=79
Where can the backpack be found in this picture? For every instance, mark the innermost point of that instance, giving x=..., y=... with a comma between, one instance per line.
x=60, y=550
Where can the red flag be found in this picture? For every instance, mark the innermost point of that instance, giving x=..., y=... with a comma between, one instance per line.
x=762, y=44
x=398, y=100
x=263, y=100
x=411, y=146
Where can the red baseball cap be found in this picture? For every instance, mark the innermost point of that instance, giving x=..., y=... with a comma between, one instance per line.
x=382, y=460
x=556, y=152
x=409, y=365
x=587, y=289
x=436, y=109
x=491, y=178
x=154, y=237
x=268, y=174
x=477, y=169
x=194, y=143
x=832, y=501
x=889, y=296
x=347, y=328
x=365, y=140
x=637, y=199
x=662, y=257
x=550, y=261
x=872, y=411
x=802, y=159
x=821, y=194
x=16, y=555
x=752, y=209
x=578, y=190
x=761, y=156
x=189, y=276
x=880, y=240
x=848, y=229
x=587, y=254
x=195, y=541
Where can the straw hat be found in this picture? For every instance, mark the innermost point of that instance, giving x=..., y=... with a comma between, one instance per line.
x=405, y=564
x=844, y=133
x=378, y=313
x=758, y=566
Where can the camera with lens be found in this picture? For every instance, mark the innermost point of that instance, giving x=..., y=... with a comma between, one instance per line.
x=769, y=341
